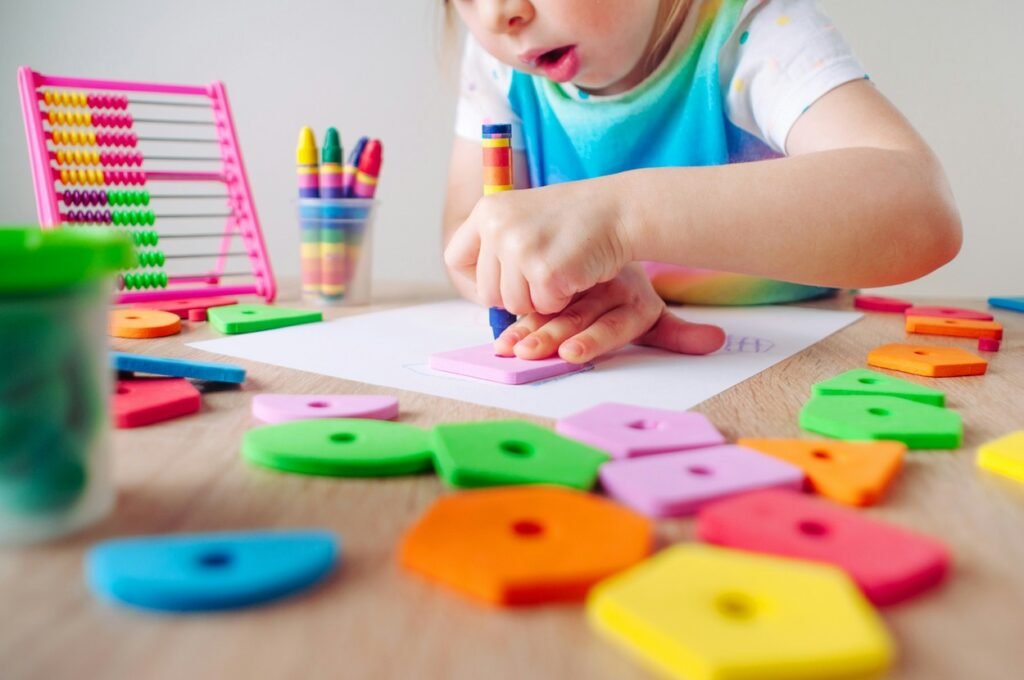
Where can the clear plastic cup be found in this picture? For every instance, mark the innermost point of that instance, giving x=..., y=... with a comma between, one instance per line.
x=336, y=253
x=55, y=466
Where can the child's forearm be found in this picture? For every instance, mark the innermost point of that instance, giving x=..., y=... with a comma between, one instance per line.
x=855, y=217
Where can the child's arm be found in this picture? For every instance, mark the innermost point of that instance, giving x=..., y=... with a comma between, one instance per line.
x=860, y=202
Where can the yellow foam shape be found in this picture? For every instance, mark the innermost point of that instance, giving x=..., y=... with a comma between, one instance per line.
x=706, y=613
x=1004, y=456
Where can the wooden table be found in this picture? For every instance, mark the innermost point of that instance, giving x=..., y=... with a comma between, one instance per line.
x=372, y=620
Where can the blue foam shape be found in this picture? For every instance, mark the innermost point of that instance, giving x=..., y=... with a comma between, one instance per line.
x=177, y=368
x=214, y=571
x=1015, y=304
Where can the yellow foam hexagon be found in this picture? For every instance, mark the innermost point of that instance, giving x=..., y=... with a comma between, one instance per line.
x=706, y=613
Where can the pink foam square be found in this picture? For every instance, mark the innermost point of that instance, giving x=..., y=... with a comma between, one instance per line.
x=677, y=484
x=625, y=430
x=282, y=408
x=481, y=362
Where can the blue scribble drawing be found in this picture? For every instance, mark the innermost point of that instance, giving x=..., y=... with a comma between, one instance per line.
x=735, y=344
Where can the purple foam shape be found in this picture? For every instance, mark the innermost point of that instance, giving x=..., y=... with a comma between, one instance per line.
x=482, y=362
x=677, y=484
x=282, y=408
x=625, y=431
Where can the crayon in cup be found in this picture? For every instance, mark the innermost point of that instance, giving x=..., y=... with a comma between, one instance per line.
x=332, y=227
x=348, y=175
x=498, y=176
x=309, y=212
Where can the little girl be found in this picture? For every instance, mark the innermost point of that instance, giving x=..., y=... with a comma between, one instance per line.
x=711, y=136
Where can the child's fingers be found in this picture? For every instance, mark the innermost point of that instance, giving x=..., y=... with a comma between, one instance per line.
x=544, y=341
x=463, y=250
x=672, y=333
x=516, y=332
x=488, y=279
x=515, y=293
x=614, y=329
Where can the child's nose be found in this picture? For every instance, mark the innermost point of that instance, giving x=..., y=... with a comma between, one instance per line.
x=501, y=16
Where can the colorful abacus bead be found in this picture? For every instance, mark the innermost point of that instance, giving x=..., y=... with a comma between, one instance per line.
x=125, y=177
x=151, y=258
x=115, y=120
x=57, y=117
x=73, y=177
x=141, y=280
x=116, y=139
x=107, y=101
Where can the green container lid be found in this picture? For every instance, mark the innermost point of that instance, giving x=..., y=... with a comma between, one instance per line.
x=34, y=260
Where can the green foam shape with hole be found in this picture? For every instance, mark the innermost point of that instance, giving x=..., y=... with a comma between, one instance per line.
x=861, y=381
x=234, y=319
x=506, y=452
x=919, y=426
x=340, y=447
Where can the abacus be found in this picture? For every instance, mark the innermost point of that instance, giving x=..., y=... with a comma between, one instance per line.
x=85, y=133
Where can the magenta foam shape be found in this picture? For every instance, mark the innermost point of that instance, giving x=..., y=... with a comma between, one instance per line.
x=625, y=431
x=949, y=313
x=677, y=484
x=481, y=362
x=282, y=408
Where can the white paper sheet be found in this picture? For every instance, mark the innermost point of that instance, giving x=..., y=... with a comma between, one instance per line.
x=391, y=349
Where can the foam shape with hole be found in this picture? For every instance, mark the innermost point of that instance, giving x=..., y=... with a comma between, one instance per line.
x=889, y=564
x=678, y=484
x=283, y=408
x=625, y=431
x=852, y=473
x=524, y=545
x=145, y=401
x=504, y=452
x=341, y=447
x=919, y=426
x=862, y=381
x=926, y=360
x=214, y=571
x=142, y=323
x=705, y=613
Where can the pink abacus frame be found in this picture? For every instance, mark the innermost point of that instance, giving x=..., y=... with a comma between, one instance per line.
x=242, y=222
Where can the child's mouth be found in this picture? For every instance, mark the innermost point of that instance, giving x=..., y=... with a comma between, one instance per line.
x=560, y=64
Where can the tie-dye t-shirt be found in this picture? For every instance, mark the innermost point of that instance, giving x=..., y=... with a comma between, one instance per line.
x=739, y=75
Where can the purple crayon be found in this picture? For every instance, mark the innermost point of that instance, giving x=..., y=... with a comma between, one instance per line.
x=348, y=173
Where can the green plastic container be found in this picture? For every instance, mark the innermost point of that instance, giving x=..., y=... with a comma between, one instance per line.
x=55, y=378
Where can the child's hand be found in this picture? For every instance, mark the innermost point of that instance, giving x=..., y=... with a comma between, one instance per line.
x=604, y=318
x=533, y=250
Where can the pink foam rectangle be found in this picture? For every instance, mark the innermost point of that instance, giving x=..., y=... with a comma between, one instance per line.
x=481, y=362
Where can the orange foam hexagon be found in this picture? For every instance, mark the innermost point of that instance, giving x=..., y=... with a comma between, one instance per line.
x=935, y=362
x=524, y=545
x=961, y=328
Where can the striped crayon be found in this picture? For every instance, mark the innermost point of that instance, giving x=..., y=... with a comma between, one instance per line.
x=309, y=215
x=365, y=185
x=348, y=173
x=497, y=147
x=332, y=229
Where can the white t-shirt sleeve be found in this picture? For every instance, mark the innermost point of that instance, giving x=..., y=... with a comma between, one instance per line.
x=483, y=94
x=783, y=56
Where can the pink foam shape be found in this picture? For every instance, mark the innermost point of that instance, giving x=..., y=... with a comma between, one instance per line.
x=988, y=345
x=677, y=484
x=949, y=313
x=481, y=362
x=877, y=303
x=282, y=408
x=625, y=431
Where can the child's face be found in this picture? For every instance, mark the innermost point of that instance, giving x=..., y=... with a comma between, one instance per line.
x=596, y=44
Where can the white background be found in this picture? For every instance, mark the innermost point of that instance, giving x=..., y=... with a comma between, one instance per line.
x=375, y=67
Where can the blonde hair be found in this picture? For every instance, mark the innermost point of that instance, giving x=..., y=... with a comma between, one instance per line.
x=663, y=38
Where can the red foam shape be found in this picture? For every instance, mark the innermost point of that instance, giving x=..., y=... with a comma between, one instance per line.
x=888, y=563
x=949, y=313
x=197, y=315
x=876, y=303
x=184, y=306
x=988, y=344
x=146, y=401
